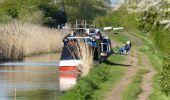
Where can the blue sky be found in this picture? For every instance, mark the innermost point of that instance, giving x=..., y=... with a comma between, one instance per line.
x=114, y=2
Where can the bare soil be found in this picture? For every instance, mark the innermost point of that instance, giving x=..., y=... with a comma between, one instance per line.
x=123, y=83
x=147, y=79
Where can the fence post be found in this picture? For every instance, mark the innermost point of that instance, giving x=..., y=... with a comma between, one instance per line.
x=15, y=94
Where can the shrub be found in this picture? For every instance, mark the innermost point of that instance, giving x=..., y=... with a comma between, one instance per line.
x=81, y=91
x=165, y=76
x=99, y=75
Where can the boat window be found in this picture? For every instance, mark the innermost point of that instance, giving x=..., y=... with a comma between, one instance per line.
x=69, y=53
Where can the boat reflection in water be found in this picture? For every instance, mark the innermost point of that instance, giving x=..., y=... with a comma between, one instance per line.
x=68, y=70
x=67, y=81
x=67, y=75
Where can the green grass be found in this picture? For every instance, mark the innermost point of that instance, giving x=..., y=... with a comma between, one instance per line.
x=139, y=59
x=157, y=94
x=120, y=38
x=143, y=36
x=132, y=91
x=116, y=74
x=156, y=61
x=98, y=82
x=143, y=48
x=106, y=87
x=134, y=88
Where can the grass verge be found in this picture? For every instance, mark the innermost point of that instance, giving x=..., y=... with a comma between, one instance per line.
x=116, y=73
x=156, y=61
x=157, y=94
x=97, y=83
x=119, y=38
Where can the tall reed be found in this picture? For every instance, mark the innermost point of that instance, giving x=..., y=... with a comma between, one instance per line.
x=86, y=57
x=23, y=39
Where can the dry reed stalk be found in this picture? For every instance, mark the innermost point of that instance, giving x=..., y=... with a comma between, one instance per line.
x=86, y=57
x=23, y=39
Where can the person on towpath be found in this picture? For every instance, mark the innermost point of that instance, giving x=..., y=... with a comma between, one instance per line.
x=128, y=46
x=121, y=50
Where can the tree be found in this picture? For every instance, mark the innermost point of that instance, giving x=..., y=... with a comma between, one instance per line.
x=54, y=14
x=86, y=9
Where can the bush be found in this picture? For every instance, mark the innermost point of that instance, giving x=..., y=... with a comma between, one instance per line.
x=81, y=91
x=165, y=76
x=119, y=18
x=98, y=75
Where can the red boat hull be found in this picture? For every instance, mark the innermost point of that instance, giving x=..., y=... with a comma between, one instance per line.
x=68, y=69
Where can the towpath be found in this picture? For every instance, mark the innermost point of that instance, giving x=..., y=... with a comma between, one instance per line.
x=147, y=79
x=122, y=84
x=117, y=91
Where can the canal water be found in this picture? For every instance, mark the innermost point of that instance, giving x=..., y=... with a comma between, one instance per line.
x=34, y=78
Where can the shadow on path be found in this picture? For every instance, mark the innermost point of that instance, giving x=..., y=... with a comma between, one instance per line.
x=111, y=63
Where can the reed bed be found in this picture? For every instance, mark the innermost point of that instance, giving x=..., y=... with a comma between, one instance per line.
x=86, y=57
x=24, y=39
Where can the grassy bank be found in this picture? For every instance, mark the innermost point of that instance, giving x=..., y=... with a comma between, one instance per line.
x=22, y=39
x=157, y=94
x=97, y=83
x=156, y=61
x=116, y=73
